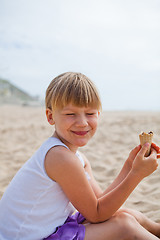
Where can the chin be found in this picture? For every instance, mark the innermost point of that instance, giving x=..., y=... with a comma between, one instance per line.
x=81, y=144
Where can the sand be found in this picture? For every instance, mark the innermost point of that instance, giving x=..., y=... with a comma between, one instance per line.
x=23, y=130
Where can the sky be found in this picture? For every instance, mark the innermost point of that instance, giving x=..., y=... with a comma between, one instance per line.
x=115, y=43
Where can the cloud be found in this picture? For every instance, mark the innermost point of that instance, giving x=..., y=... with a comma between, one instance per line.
x=111, y=41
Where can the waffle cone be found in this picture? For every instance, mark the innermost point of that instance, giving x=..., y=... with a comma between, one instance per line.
x=146, y=138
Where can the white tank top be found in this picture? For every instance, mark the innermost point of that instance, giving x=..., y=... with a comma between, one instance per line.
x=33, y=204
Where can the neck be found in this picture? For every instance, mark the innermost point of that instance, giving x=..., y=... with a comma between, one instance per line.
x=72, y=148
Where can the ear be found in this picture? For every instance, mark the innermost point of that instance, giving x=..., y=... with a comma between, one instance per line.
x=99, y=113
x=49, y=115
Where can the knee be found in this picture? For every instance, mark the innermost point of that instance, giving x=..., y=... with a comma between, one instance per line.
x=126, y=224
x=124, y=218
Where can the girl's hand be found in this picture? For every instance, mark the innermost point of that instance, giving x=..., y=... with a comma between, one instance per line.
x=132, y=155
x=144, y=166
x=135, y=151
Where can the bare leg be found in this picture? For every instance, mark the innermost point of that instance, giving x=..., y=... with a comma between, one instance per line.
x=122, y=226
x=147, y=223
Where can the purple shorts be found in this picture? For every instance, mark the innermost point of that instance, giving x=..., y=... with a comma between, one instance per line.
x=72, y=229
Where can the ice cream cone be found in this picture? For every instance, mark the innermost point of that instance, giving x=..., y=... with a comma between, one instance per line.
x=146, y=137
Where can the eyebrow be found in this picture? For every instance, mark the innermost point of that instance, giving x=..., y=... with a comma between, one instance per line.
x=72, y=108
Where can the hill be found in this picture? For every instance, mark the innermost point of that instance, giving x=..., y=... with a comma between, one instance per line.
x=10, y=94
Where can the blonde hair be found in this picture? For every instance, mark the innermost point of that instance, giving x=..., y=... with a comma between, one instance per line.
x=72, y=87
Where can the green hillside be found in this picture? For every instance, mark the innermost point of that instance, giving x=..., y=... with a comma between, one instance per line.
x=11, y=94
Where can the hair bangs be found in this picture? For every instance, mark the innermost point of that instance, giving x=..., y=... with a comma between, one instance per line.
x=73, y=88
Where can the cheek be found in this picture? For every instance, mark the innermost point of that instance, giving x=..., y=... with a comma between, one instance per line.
x=63, y=124
x=94, y=123
x=67, y=123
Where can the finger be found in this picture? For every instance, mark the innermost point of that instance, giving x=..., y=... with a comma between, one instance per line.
x=144, y=149
x=153, y=152
x=136, y=149
x=157, y=148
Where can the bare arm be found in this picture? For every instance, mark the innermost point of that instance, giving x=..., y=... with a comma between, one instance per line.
x=128, y=166
x=63, y=167
x=121, y=176
x=124, y=171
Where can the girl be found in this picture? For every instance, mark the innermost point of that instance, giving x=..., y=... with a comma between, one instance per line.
x=41, y=200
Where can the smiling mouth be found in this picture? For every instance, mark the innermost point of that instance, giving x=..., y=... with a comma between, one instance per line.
x=80, y=133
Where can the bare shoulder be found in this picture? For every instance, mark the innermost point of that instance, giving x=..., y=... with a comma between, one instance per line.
x=58, y=154
x=64, y=167
x=57, y=160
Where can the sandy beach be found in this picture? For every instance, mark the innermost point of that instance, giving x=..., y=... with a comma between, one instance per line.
x=23, y=130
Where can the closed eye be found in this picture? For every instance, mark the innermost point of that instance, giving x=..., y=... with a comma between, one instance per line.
x=90, y=114
x=70, y=114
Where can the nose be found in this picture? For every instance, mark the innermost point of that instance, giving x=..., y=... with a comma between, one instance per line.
x=81, y=121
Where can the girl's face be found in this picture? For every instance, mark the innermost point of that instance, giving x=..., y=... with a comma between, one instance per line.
x=74, y=126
